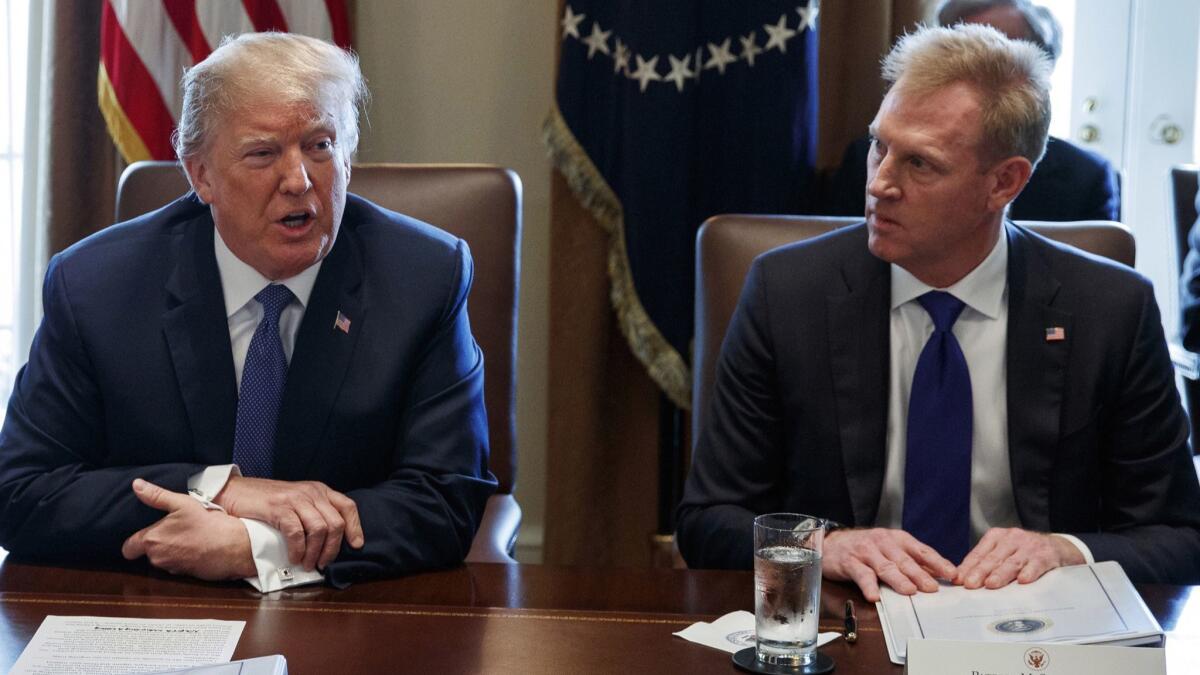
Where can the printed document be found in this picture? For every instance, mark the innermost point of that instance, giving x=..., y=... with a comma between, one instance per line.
x=1080, y=604
x=108, y=645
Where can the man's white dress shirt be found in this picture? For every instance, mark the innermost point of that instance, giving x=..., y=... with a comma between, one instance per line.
x=240, y=283
x=982, y=333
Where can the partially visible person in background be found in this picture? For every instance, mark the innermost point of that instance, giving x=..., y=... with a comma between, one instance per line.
x=1069, y=183
x=1189, y=288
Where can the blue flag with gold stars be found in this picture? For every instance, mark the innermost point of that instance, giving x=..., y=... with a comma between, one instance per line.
x=669, y=112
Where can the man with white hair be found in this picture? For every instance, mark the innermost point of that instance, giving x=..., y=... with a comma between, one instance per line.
x=962, y=398
x=268, y=378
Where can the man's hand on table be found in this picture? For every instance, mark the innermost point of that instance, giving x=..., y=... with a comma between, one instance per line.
x=190, y=540
x=312, y=517
x=871, y=556
x=1007, y=554
x=895, y=557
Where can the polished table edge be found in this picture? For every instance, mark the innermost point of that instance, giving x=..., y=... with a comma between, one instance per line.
x=473, y=589
x=699, y=593
x=504, y=610
x=291, y=606
x=78, y=601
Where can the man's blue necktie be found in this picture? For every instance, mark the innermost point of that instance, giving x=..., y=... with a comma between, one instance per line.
x=262, y=388
x=937, y=470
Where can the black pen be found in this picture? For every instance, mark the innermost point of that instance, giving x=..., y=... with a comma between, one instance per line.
x=851, y=623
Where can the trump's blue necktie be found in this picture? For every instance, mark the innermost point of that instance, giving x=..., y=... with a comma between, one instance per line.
x=937, y=469
x=262, y=388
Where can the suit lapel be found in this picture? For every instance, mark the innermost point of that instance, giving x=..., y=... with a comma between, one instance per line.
x=858, y=338
x=197, y=334
x=320, y=358
x=1036, y=373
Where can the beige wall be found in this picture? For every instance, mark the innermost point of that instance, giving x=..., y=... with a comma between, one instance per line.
x=471, y=81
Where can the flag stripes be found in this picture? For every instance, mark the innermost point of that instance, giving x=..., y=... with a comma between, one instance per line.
x=160, y=51
x=187, y=25
x=145, y=46
x=138, y=99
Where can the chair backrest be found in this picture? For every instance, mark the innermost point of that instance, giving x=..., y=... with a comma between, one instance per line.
x=481, y=204
x=727, y=244
x=1183, y=201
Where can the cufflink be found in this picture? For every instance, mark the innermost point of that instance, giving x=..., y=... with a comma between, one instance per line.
x=204, y=500
x=285, y=573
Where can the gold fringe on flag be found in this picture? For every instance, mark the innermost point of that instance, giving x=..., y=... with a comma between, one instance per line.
x=664, y=364
x=124, y=136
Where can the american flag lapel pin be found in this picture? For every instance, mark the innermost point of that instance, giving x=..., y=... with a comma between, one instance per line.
x=342, y=323
x=1055, y=334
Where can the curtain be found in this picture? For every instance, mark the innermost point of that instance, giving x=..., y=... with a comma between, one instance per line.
x=82, y=164
x=855, y=36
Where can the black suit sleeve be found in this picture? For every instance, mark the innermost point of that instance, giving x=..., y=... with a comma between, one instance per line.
x=1069, y=183
x=1104, y=195
x=60, y=499
x=1189, y=288
x=1150, y=500
x=425, y=513
x=738, y=456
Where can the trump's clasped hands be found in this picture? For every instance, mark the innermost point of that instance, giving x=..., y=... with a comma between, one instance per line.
x=211, y=543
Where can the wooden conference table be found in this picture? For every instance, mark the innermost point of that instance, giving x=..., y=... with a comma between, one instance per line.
x=483, y=618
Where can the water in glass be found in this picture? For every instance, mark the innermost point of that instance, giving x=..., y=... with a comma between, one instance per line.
x=787, y=583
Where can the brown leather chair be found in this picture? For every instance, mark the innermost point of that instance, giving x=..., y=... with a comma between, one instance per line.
x=481, y=204
x=727, y=244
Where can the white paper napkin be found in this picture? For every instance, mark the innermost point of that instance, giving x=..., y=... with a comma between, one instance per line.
x=733, y=632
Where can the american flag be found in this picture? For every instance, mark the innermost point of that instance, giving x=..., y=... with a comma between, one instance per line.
x=145, y=45
x=1055, y=334
x=342, y=323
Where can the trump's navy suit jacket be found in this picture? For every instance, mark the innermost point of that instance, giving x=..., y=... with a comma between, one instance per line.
x=798, y=417
x=131, y=375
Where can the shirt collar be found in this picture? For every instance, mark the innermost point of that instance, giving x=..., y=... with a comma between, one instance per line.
x=982, y=289
x=241, y=282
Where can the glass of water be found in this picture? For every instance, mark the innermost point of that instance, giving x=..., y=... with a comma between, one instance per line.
x=787, y=587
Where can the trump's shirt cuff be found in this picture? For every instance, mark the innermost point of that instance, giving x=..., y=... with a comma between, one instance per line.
x=275, y=573
x=267, y=544
x=205, y=485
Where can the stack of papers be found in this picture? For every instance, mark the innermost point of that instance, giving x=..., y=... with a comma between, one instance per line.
x=1083, y=604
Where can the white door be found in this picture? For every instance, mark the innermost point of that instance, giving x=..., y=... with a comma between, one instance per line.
x=1133, y=100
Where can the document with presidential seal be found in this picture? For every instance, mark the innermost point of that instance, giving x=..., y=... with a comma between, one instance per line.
x=1083, y=604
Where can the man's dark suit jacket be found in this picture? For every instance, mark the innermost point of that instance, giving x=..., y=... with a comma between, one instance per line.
x=1070, y=183
x=798, y=417
x=131, y=375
